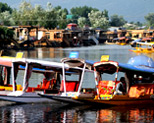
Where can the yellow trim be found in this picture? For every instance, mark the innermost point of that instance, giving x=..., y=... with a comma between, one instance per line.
x=7, y=88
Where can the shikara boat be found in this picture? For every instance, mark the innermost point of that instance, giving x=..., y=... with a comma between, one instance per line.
x=123, y=41
x=113, y=41
x=120, y=41
x=72, y=80
x=23, y=90
x=139, y=88
x=5, y=69
x=143, y=48
x=142, y=40
x=133, y=43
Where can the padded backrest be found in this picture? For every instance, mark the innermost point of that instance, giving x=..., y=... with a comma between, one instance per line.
x=141, y=89
x=106, y=87
x=70, y=86
x=46, y=84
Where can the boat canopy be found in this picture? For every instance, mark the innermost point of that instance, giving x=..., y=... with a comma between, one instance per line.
x=122, y=38
x=109, y=67
x=146, y=39
x=137, y=40
x=73, y=62
x=139, y=64
x=31, y=65
x=6, y=62
x=39, y=65
x=77, y=64
x=145, y=44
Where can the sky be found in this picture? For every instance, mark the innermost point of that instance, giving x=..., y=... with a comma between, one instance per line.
x=131, y=10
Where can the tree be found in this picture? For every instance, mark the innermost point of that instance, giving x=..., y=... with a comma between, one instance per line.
x=5, y=14
x=50, y=18
x=82, y=11
x=28, y=15
x=98, y=19
x=6, y=18
x=5, y=36
x=82, y=21
x=117, y=20
x=38, y=15
x=61, y=17
x=6, y=33
x=150, y=19
x=25, y=13
x=4, y=7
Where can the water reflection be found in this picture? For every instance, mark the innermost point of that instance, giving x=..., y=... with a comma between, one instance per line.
x=79, y=114
x=45, y=53
x=116, y=52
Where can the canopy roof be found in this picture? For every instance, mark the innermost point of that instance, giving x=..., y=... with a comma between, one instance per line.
x=137, y=40
x=138, y=65
x=111, y=67
x=76, y=63
x=7, y=62
x=39, y=65
x=145, y=44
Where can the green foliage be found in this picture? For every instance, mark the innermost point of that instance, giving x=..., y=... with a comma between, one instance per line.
x=25, y=14
x=50, y=17
x=6, y=18
x=82, y=11
x=150, y=19
x=82, y=21
x=117, y=20
x=98, y=19
x=139, y=24
x=61, y=17
x=5, y=33
x=4, y=7
x=5, y=37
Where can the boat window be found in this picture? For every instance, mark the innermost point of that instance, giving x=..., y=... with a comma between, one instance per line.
x=72, y=77
x=87, y=83
x=35, y=79
x=137, y=79
x=88, y=80
x=20, y=78
x=106, y=76
x=5, y=74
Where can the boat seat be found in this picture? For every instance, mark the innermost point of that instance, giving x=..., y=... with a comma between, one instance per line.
x=48, y=84
x=70, y=86
x=106, y=87
x=138, y=90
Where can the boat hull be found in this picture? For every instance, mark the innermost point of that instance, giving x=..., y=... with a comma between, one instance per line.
x=68, y=99
x=27, y=98
x=121, y=100
x=60, y=98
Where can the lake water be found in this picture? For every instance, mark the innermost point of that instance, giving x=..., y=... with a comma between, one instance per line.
x=47, y=113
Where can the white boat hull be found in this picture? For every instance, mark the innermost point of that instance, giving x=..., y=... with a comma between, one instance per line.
x=27, y=98
x=60, y=98
x=67, y=99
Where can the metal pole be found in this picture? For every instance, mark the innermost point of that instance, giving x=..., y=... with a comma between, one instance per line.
x=64, y=83
x=96, y=80
x=13, y=81
x=81, y=81
x=25, y=75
